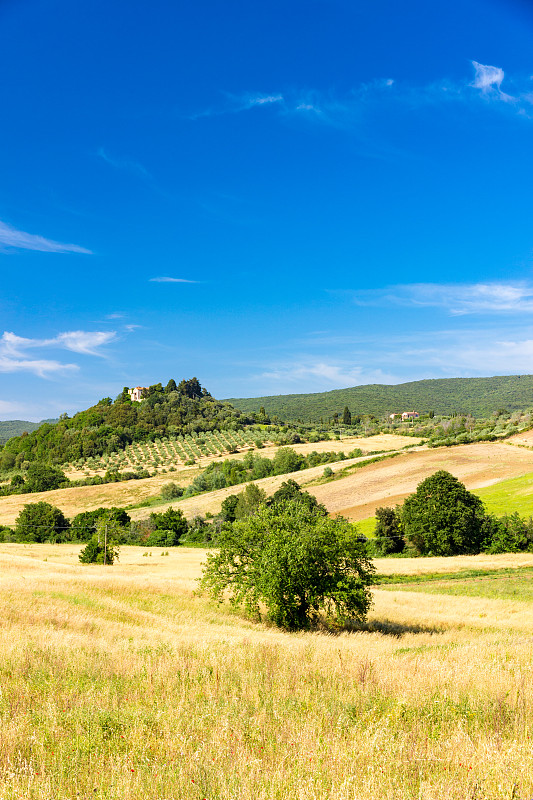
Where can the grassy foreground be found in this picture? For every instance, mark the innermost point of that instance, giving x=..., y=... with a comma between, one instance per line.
x=121, y=683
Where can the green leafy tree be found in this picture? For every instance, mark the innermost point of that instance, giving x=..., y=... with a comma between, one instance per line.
x=42, y=478
x=347, y=416
x=443, y=518
x=287, y=460
x=167, y=528
x=42, y=522
x=171, y=386
x=250, y=499
x=228, y=508
x=389, y=531
x=7, y=461
x=508, y=534
x=83, y=525
x=297, y=563
x=290, y=490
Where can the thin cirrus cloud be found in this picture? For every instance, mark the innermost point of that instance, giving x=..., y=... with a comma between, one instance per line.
x=456, y=299
x=323, y=374
x=487, y=77
x=14, y=356
x=171, y=280
x=344, y=111
x=129, y=165
x=20, y=240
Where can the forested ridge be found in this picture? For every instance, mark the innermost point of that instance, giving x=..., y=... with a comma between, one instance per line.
x=109, y=426
x=16, y=427
x=476, y=396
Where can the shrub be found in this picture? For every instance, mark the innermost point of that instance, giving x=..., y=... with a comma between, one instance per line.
x=169, y=491
x=93, y=552
x=508, y=534
x=296, y=562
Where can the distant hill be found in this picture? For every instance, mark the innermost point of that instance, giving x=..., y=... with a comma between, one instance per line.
x=14, y=427
x=110, y=426
x=476, y=396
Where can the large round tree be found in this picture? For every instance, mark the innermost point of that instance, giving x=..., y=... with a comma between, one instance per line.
x=443, y=518
x=296, y=562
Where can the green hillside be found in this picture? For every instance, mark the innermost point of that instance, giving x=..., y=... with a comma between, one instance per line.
x=16, y=427
x=108, y=427
x=477, y=396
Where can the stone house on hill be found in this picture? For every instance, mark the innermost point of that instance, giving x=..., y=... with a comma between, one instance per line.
x=137, y=394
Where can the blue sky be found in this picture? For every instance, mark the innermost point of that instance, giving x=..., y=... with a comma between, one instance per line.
x=276, y=197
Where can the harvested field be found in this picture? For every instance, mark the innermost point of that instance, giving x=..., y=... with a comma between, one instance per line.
x=86, y=498
x=120, y=682
x=387, y=483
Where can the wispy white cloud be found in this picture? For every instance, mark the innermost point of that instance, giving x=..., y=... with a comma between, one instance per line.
x=466, y=353
x=86, y=342
x=14, y=358
x=11, y=237
x=345, y=111
x=322, y=374
x=40, y=367
x=487, y=77
x=262, y=100
x=171, y=280
x=126, y=164
x=456, y=299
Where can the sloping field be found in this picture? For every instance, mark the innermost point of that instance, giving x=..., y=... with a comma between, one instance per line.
x=120, y=682
x=86, y=498
x=355, y=496
x=389, y=482
x=165, y=449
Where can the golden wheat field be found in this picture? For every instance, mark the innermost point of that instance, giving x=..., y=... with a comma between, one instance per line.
x=121, y=682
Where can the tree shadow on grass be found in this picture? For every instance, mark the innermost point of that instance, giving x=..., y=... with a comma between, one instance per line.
x=388, y=628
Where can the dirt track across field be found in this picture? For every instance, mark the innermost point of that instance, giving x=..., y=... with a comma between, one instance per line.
x=357, y=496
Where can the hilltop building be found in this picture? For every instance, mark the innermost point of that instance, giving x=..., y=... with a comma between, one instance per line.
x=137, y=394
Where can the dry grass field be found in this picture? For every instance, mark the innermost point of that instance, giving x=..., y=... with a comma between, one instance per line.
x=86, y=498
x=476, y=465
x=120, y=682
x=388, y=482
x=355, y=496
